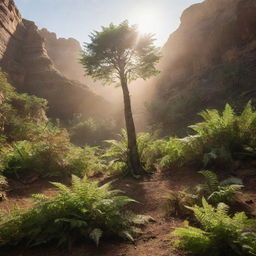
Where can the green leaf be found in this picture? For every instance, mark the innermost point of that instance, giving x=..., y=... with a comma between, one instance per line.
x=95, y=235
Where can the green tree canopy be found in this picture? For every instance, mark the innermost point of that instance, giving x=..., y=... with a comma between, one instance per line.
x=120, y=54
x=120, y=49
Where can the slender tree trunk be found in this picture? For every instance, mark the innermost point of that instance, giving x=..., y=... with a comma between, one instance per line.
x=133, y=155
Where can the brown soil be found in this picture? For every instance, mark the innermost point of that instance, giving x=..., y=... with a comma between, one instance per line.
x=155, y=240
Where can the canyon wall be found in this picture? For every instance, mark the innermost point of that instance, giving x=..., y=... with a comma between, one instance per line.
x=24, y=57
x=65, y=54
x=208, y=61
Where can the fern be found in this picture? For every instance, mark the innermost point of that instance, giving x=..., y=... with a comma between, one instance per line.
x=176, y=202
x=194, y=240
x=224, y=194
x=220, y=234
x=3, y=183
x=30, y=143
x=116, y=154
x=212, y=182
x=216, y=191
x=82, y=211
x=140, y=219
x=95, y=235
x=217, y=140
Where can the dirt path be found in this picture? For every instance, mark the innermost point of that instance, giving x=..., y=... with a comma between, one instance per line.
x=155, y=240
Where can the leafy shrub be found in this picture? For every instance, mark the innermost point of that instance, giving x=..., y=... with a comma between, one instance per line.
x=215, y=191
x=46, y=157
x=3, y=183
x=85, y=161
x=82, y=211
x=116, y=154
x=220, y=234
x=91, y=131
x=31, y=143
x=219, y=139
x=176, y=202
x=55, y=157
x=179, y=152
x=149, y=149
x=22, y=116
x=19, y=158
x=173, y=116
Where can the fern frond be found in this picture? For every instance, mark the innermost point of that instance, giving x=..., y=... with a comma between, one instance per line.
x=231, y=181
x=211, y=180
x=220, y=232
x=95, y=235
x=228, y=115
x=75, y=181
x=126, y=235
x=141, y=219
x=62, y=188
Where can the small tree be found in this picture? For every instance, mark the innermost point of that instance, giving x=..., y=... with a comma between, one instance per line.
x=117, y=55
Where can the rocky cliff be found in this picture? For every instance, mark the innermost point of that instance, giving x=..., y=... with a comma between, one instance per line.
x=65, y=54
x=208, y=61
x=24, y=57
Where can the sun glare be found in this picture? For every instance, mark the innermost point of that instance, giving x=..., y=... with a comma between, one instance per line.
x=148, y=21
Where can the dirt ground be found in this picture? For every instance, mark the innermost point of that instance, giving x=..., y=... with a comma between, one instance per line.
x=155, y=240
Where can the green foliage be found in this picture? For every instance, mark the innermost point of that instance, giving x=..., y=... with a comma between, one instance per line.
x=31, y=143
x=176, y=202
x=85, y=161
x=173, y=116
x=219, y=139
x=116, y=154
x=177, y=152
x=3, y=182
x=46, y=157
x=91, y=131
x=56, y=157
x=120, y=50
x=220, y=234
x=22, y=117
x=117, y=55
x=215, y=191
x=18, y=158
x=82, y=211
x=149, y=149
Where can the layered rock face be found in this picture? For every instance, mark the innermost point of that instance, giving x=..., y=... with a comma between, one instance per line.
x=65, y=54
x=210, y=59
x=11, y=27
x=24, y=57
